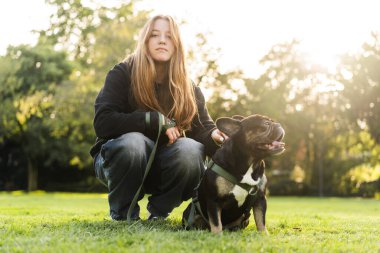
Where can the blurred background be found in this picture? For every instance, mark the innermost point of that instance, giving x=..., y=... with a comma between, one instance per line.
x=314, y=66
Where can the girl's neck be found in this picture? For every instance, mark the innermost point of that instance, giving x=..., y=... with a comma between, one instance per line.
x=161, y=72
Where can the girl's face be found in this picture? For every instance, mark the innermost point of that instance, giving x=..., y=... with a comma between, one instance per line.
x=160, y=43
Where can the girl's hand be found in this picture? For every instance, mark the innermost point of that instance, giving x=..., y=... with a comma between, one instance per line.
x=173, y=134
x=218, y=136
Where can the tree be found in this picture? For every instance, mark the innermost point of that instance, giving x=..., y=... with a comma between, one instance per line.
x=359, y=73
x=71, y=118
x=27, y=93
x=47, y=106
x=357, y=146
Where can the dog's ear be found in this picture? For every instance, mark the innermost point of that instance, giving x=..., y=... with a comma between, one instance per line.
x=228, y=126
x=238, y=117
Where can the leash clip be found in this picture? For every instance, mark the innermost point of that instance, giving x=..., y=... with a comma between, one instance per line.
x=253, y=191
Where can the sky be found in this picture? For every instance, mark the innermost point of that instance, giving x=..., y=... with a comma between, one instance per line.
x=244, y=30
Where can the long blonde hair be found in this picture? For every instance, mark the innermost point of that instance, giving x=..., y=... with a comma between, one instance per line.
x=144, y=74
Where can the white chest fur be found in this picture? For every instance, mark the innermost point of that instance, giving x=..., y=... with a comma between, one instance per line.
x=225, y=187
x=247, y=178
x=241, y=194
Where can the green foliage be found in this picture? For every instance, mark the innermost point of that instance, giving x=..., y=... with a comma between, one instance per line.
x=115, y=38
x=71, y=28
x=32, y=78
x=363, y=180
x=360, y=76
x=48, y=99
x=39, y=68
x=73, y=126
x=96, y=37
x=59, y=222
x=358, y=156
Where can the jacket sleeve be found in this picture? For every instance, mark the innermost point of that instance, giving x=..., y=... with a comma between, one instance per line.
x=115, y=114
x=203, y=125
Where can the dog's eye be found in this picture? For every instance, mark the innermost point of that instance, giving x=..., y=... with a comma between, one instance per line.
x=267, y=123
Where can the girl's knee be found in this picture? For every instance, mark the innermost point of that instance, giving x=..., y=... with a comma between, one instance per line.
x=190, y=155
x=190, y=150
x=126, y=154
x=130, y=144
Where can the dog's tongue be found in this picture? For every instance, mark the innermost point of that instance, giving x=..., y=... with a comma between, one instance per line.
x=277, y=144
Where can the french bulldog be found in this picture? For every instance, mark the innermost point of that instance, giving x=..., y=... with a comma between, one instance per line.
x=234, y=182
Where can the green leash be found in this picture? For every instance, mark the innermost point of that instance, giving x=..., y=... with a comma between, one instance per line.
x=161, y=125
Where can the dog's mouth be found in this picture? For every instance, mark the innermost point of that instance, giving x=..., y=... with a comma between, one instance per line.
x=275, y=145
x=274, y=148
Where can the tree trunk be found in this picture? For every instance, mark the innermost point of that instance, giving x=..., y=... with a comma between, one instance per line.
x=32, y=176
x=317, y=172
x=320, y=170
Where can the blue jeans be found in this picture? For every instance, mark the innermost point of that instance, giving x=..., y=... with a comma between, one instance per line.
x=175, y=172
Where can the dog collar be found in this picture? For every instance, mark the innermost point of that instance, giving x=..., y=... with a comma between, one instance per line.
x=252, y=190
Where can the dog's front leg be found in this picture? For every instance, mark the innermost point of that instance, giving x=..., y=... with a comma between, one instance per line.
x=214, y=217
x=259, y=211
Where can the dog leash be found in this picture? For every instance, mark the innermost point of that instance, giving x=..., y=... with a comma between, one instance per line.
x=162, y=125
x=195, y=208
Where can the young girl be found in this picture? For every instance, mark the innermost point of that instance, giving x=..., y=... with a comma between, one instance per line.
x=152, y=88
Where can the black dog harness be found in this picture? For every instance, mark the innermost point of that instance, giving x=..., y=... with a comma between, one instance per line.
x=196, y=207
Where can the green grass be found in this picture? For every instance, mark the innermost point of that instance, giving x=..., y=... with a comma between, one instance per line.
x=61, y=222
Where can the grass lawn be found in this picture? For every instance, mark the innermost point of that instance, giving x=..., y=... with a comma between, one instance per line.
x=61, y=222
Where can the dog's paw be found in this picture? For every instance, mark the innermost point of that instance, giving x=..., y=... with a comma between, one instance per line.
x=264, y=232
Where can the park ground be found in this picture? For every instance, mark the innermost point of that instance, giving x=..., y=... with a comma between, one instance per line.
x=71, y=222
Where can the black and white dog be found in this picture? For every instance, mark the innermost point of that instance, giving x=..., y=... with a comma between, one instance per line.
x=234, y=182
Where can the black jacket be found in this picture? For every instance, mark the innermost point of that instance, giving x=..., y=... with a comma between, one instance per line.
x=116, y=113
